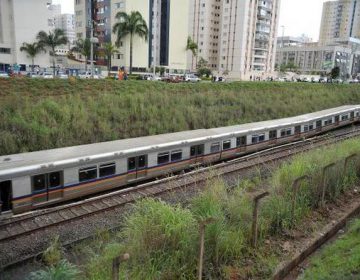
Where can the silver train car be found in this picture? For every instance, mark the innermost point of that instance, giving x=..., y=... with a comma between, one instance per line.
x=38, y=179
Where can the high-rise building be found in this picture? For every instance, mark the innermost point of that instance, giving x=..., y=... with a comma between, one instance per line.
x=20, y=21
x=237, y=37
x=340, y=21
x=167, y=22
x=66, y=22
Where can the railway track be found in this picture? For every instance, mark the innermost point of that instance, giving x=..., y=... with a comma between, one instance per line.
x=40, y=221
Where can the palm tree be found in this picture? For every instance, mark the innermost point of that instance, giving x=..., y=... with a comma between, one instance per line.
x=193, y=47
x=83, y=47
x=52, y=40
x=132, y=24
x=32, y=50
x=109, y=51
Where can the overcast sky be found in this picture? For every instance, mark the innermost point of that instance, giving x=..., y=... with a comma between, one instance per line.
x=297, y=16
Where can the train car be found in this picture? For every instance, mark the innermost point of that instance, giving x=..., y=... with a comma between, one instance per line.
x=38, y=179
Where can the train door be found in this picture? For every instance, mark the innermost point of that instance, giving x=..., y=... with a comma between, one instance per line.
x=5, y=196
x=137, y=167
x=47, y=187
x=297, y=130
x=337, y=120
x=318, y=125
x=352, y=115
x=197, y=153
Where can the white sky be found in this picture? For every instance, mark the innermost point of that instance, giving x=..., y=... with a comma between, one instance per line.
x=298, y=16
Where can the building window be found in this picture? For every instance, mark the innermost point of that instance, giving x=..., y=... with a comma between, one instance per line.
x=5, y=50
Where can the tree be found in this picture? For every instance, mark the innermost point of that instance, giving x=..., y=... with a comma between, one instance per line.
x=202, y=68
x=109, y=51
x=83, y=47
x=52, y=40
x=32, y=50
x=130, y=24
x=193, y=47
x=335, y=72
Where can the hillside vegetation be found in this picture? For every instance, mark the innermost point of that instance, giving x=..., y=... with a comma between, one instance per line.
x=44, y=114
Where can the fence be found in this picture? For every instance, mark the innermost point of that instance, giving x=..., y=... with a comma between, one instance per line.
x=323, y=187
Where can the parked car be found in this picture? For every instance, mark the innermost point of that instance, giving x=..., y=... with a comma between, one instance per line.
x=4, y=75
x=47, y=75
x=354, y=81
x=192, y=78
x=33, y=75
x=62, y=75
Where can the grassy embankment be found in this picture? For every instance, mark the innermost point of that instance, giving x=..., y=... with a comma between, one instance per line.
x=163, y=239
x=41, y=114
x=340, y=260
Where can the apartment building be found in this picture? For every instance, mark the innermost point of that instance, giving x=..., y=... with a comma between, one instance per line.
x=66, y=22
x=19, y=25
x=168, y=31
x=314, y=58
x=236, y=37
x=340, y=21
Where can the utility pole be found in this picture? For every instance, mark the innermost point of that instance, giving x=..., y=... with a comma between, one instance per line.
x=154, y=37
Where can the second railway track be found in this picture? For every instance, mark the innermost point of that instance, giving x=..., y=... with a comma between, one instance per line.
x=42, y=220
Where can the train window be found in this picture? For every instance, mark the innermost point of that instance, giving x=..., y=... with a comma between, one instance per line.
x=163, y=158
x=285, y=132
x=176, y=155
x=227, y=145
x=54, y=179
x=142, y=161
x=197, y=150
x=241, y=141
x=328, y=122
x=272, y=134
x=131, y=163
x=39, y=182
x=311, y=127
x=215, y=147
x=107, y=169
x=258, y=138
x=344, y=117
x=88, y=173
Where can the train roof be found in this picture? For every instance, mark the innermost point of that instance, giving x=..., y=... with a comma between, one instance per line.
x=103, y=150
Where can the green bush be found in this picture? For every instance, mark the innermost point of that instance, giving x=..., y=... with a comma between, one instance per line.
x=62, y=271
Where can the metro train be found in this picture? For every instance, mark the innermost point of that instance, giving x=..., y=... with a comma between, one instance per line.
x=38, y=179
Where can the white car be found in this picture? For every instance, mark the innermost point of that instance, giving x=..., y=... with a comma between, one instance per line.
x=4, y=75
x=192, y=78
x=47, y=75
x=62, y=75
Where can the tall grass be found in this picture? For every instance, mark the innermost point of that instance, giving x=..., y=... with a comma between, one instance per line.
x=39, y=114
